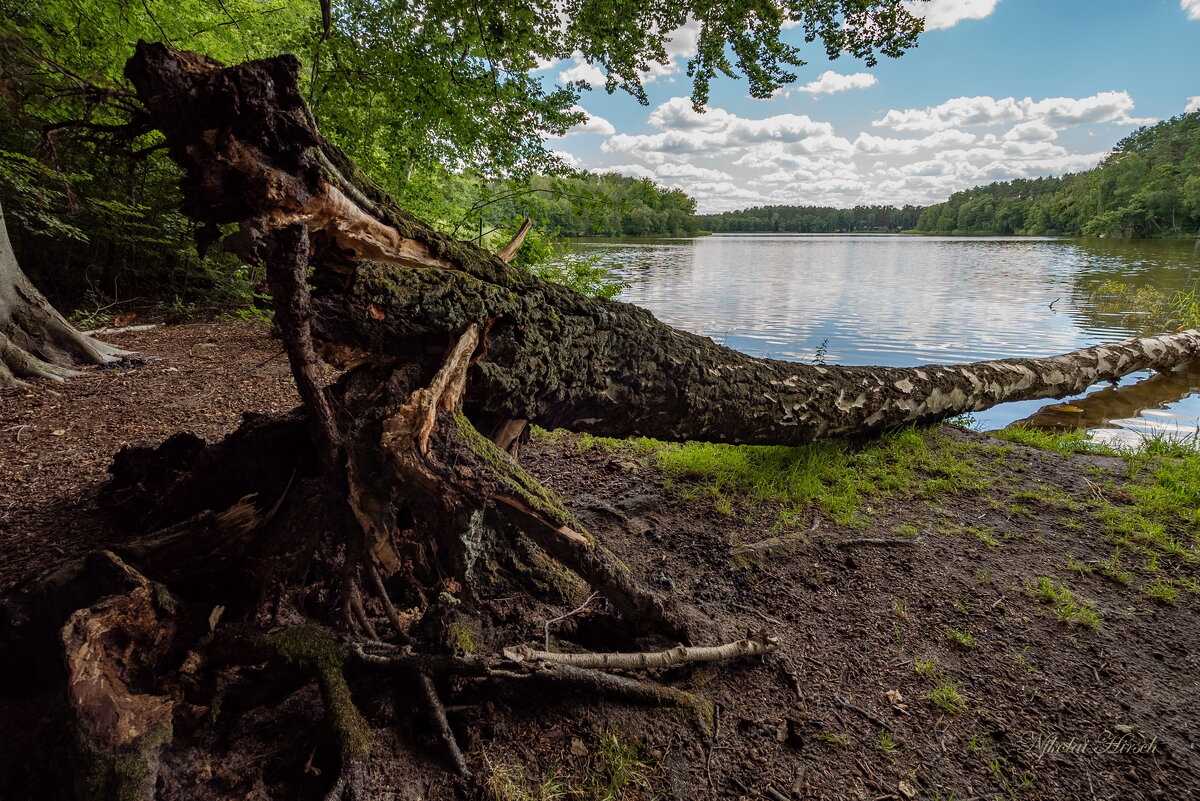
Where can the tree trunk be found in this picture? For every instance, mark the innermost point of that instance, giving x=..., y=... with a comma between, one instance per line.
x=35, y=340
x=390, y=287
x=382, y=508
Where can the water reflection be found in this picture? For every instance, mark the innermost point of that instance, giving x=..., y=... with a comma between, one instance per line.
x=1122, y=415
x=899, y=300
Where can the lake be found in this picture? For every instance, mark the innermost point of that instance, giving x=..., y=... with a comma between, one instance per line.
x=908, y=300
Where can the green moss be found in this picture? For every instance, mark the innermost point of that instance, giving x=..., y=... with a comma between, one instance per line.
x=317, y=648
x=130, y=776
x=528, y=488
x=461, y=638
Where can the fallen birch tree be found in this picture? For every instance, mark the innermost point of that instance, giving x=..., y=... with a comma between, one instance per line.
x=387, y=524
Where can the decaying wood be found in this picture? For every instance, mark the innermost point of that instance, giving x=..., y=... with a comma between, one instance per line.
x=390, y=505
x=122, y=723
x=509, y=251
x=553, y=357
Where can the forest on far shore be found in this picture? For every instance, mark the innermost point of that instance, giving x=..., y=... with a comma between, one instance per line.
x=1149, y=186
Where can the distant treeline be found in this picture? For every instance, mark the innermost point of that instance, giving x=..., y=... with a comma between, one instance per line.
x=608, y=204
x=1149, y=186
x=811, y=219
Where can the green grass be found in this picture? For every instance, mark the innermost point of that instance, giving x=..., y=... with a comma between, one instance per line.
x=1163, y=590
x=615, y=770
x=946, y=693
x=840, y=740
x=833, y=477
x=1068, y=607
x=1155, y=512
x=1062, y=441
x=962, y=638
x=887, y=744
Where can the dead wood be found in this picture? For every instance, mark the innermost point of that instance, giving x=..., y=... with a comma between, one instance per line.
x=390, y=504
x=752, y=646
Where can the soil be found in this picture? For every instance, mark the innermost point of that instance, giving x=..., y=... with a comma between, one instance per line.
x=842, y=709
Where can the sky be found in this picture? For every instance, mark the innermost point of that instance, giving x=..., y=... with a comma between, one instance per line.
x=995, y=90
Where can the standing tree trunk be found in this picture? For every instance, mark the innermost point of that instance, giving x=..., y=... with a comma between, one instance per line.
x=35, y=340
x=392, y=489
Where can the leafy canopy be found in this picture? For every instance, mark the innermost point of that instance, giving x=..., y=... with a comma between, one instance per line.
x=403, y=83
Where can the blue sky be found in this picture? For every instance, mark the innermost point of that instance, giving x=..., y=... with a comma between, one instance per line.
x=996, y=89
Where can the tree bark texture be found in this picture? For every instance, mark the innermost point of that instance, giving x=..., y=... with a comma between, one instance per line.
x=388, y=286
x=388, y=508
x=35, y=340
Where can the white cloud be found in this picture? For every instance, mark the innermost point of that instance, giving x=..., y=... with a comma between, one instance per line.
x=632, y=170
x=1193, y=103
x=683, y=41
x=1192, y=7
x=684, y=132
x=948, y=13
x=570, y=159
x=866, y=143
x=953, y=113
x=677, y=114
x=682, y=169
x=1033, y=131
x=1063, y=112
x=830, y=82
x=582, y=71
x=591, y=125
x=728, y=161
x=1055, y=113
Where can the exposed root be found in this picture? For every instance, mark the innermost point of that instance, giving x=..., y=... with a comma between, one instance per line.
x=316, y=648
x=437, y=714
x=389, y=608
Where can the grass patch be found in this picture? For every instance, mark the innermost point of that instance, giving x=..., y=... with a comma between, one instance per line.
x=962, y=638
x=946, y=693
x=1068, y=607
x=832, y=476
x=840, y=740
x=1062, y=441
x=1163, y=590
x=615, y=770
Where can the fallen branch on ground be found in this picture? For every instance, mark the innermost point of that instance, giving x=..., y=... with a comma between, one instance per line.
x=642, y=660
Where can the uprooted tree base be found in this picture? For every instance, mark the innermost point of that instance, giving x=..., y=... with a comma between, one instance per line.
x=384, y=535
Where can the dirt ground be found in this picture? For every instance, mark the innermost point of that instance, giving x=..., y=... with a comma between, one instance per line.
x=928, y=670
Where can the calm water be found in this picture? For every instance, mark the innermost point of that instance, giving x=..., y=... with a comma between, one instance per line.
x=908, y=300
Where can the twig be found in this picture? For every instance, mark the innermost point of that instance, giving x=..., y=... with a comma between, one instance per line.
x=573, y=612
x=844, y=704
x=642, y=660
x=885, y=543
x=752, y=610
x=388, y=607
